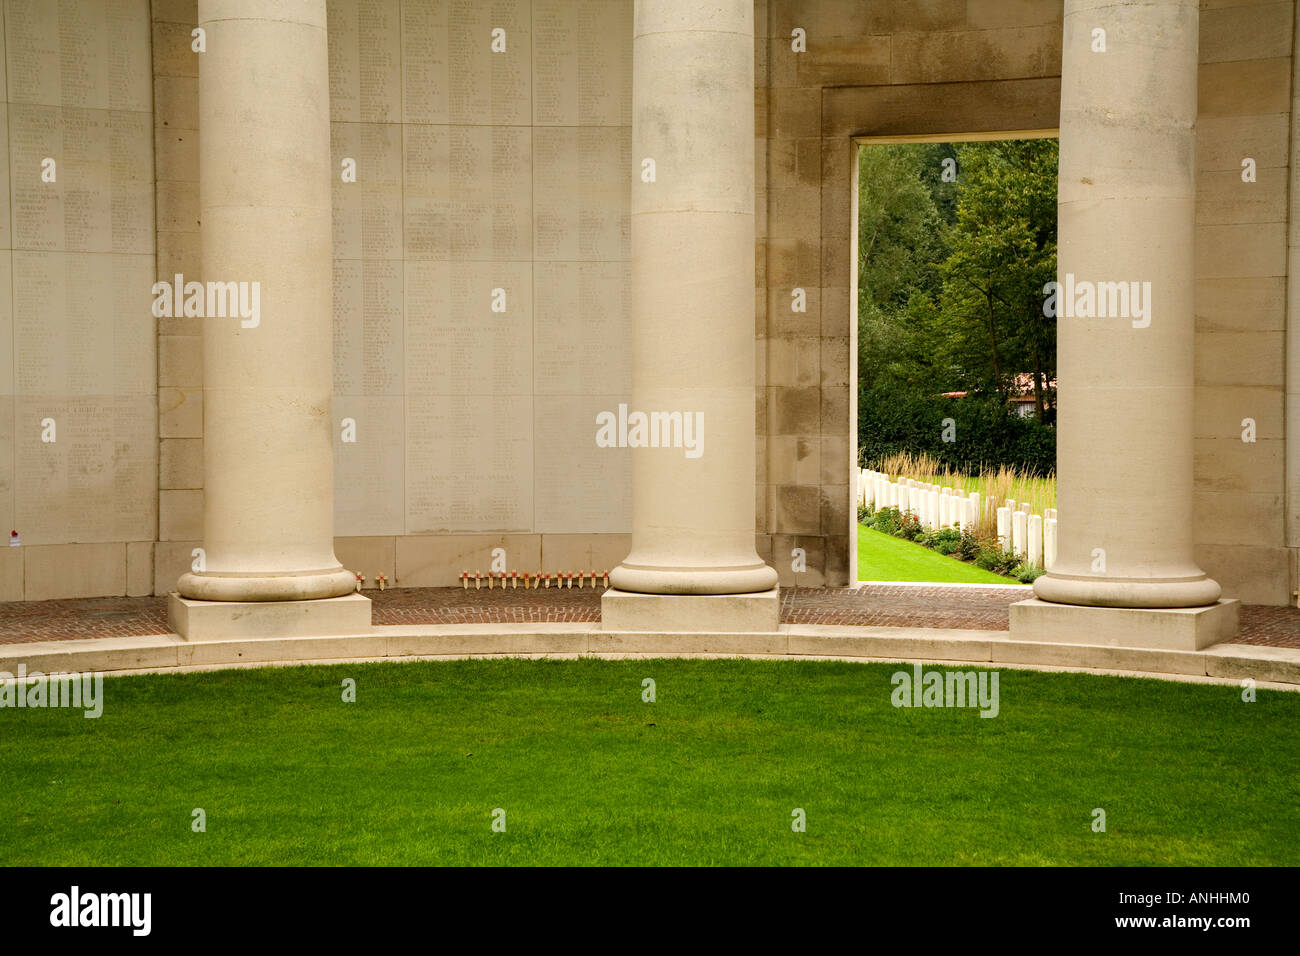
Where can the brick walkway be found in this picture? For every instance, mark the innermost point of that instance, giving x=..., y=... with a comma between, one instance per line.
x=876, y=605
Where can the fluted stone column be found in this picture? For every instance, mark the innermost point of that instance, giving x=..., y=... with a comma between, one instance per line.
x=264, y=169
x=693, y=297
x=1127, y=215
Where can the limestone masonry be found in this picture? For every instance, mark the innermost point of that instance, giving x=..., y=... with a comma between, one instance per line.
x=401, y=302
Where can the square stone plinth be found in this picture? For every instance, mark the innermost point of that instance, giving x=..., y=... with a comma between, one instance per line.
x=221, y=620
x=1182, y=629
x=694, y=613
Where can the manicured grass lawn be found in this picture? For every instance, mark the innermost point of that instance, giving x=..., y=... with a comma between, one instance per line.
x=589, y=773
x=882, y=557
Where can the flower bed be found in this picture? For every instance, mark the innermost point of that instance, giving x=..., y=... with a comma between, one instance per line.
x=980, y=550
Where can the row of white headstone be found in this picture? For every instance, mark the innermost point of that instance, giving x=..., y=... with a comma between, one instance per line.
x=1031, y=537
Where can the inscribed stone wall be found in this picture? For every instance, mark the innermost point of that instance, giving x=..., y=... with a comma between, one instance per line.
x=481, y=269
x=78, y=361
x=482, y=171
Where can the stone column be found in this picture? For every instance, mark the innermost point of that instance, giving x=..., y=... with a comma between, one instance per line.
x=1126, y=206
x=264, y=169
x=693, y=297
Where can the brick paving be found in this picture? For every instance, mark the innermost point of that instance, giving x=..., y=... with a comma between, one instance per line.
x=876, y=605
x=497, y=606
x=892, y=605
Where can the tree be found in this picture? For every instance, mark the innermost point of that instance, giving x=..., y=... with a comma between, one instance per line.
x=901, y=238
x=1003, y=251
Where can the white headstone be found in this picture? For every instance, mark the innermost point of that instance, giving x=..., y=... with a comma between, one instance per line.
x=1036, y=541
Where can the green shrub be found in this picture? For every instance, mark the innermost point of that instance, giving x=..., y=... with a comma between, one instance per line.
x=998, y=561
x=885, y=520
x=1028, y=575
x=947, y=540
x=969, y=547
x=909, y=527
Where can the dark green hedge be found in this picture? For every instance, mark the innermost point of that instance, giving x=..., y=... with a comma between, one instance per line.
x=987, y=433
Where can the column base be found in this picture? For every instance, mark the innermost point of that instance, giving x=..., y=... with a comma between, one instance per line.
x=1190, y=592
x=643, y=579
x=758, y=611
x=1182, y=629
x=219, y=620
x=266, y=586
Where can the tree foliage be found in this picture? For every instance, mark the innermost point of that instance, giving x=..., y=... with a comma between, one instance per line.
x=951, y=272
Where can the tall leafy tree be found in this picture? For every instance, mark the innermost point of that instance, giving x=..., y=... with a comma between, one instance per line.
x=901, y=239
x=1002, y=252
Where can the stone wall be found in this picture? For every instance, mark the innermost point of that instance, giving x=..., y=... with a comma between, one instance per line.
x=475, y=172
x=880, y=70
x=480, y=171
x=1244, y=104
x=78, y=455
x=895, y=69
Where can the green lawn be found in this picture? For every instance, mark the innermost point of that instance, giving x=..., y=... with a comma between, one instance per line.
x=589, y=773
x=882, y=557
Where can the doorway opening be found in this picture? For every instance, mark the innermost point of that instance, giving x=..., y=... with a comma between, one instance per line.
x=954, y=378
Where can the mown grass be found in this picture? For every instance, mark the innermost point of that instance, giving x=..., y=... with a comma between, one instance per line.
x=882, y=557
x=588, y=773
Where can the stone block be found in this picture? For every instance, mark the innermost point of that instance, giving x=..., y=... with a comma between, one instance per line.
x=180, y=463
x=224, y=620
x=139, y=568
x=180, y=412
x=1224, y=89
x=171, y=559
x=74, y=571
x=436, y=561
x=180, y=515
x=369, y=557
x=1253, y=31
x=580, y=552
x=11, y=574
x=1181, y=629
x=691, y=613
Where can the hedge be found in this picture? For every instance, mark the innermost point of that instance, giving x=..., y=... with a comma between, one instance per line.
x=986, y=434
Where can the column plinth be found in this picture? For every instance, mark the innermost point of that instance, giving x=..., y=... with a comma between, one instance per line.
x=265, y=206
